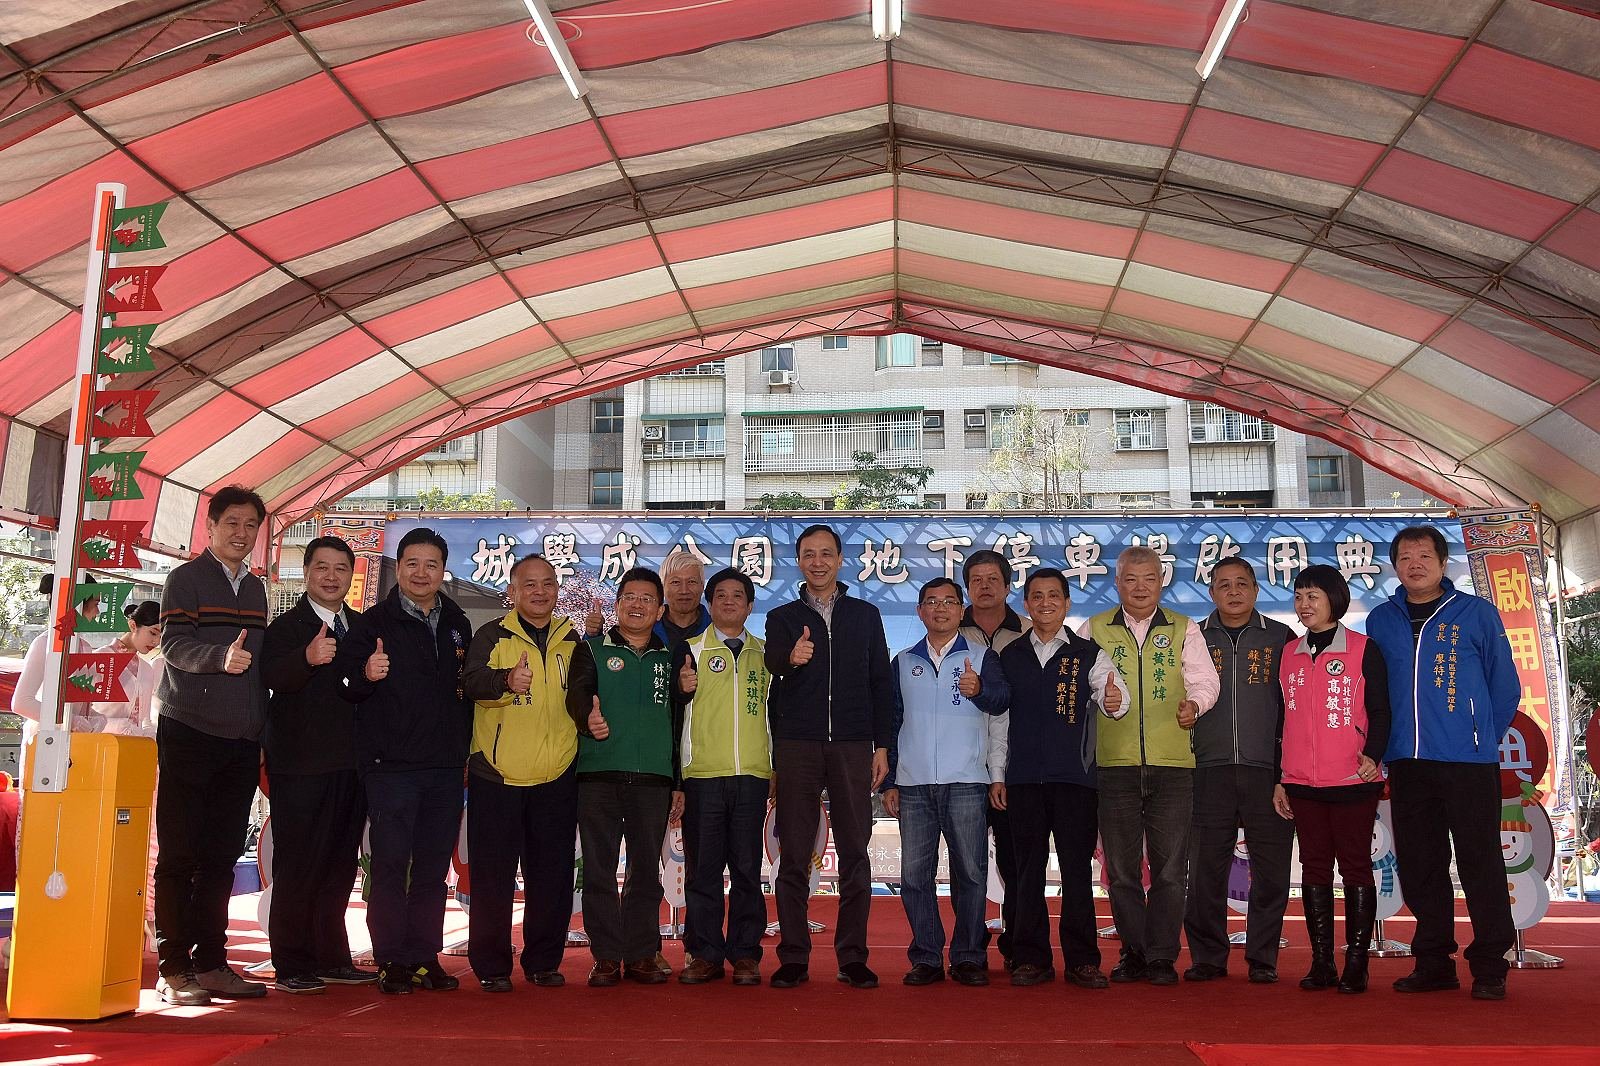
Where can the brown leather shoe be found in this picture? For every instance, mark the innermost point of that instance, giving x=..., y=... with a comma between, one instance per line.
x=746, y=972
x=699, y=971
x=645, y=971
x=663, y=965
x=606, y=973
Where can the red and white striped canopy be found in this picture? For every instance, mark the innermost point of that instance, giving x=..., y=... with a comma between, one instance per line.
x=391, y=223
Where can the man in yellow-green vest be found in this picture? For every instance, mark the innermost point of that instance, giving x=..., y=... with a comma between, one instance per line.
x=1146, y=764
x=726, y=753
x=522, y=789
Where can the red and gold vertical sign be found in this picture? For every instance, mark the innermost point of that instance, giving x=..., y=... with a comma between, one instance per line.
x=365, y=537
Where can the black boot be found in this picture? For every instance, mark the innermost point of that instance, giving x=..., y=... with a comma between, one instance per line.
x=1318, y=900
x=1360, y=911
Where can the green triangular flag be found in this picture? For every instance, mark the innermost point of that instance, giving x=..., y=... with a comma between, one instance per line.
x=112, y=595
x=111, y=477
x=133, y=229
x=125, y=350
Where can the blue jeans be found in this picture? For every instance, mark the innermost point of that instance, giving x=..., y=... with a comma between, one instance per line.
x=957, y=812
x=1147, y=810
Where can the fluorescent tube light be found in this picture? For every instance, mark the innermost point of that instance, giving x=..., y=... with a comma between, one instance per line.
x=886, y=17
x=1232, y=11
x=558, y=48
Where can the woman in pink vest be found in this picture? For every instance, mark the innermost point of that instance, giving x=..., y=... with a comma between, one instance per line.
x=1335, y=727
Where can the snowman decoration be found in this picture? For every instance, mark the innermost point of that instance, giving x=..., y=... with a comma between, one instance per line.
x=1385, y=870
x=1523, y=846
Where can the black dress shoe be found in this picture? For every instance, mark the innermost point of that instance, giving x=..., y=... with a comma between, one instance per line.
x=1087, y=976
x=495, y=984
x=1422, y=981
x=1129, y=968
x=1161, y=973
x=547, y=978
x=922, y=974
x=790, y=975
x=970, y=974
x=1028, y=973
x=1489, y=988
x=857, y=975
x=1262, y=974
x=348, y=975
x=299, y=985
x=1204, y=971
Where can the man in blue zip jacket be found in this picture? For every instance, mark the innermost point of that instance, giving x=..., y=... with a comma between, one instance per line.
x=831, y=711
x=1454, y=689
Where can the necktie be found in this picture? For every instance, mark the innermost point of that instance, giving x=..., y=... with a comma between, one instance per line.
x=735, y=646
x=339, y=628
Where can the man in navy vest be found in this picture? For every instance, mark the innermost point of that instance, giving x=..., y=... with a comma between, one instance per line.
x=940, y=767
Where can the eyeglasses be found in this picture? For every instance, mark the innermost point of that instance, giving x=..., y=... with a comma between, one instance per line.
x=943, y=601
x=636, y=597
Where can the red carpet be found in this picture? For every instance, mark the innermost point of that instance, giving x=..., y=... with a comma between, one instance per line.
x=1226, y=1021
x=38, y=1045
x=1343, y=1054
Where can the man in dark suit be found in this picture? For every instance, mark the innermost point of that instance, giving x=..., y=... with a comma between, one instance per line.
x=318, y=806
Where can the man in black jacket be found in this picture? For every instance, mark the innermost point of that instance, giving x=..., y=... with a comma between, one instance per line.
x=318, y=807
x=402, y=664
x=1237, y=750
x=831, y=712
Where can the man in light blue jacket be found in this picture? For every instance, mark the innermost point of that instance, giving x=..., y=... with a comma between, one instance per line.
x=941, y=763
x=1454, y=688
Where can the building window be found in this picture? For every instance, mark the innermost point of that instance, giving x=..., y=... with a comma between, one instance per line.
x=835, y=343
x=929, y=342
x=780, y=357
x=1002, y=427
x=608, y=416
x=996, y=359
x=1137, y=500
x=777, y=442
x=977, y=501
x=1324, y=473
x=1141, y=429
x=1075, y=418
x=685, y=438
x=1211, y=423
x=898, y=350
x=605, y=488
x=934, y=501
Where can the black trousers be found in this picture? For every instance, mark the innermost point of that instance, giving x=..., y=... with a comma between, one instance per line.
x=202, y=812
x=626, y=928
x=1005, y=861
x=416, y=820
x=1436, y=804
x=722, y=819
x=1069, y=813
x=1226, y=797
x=531, y=825
x=316, y=834
x=804, y=769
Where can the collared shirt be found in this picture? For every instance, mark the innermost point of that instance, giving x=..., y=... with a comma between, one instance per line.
x=328, y=618
x=822, y=607
x=938, y=654
x=1046, y=648
x=432, y=617
x=1103, y=671
x=233, y=578
x=1200, y=681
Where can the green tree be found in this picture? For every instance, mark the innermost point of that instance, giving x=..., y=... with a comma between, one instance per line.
x=785, y=501
x=19, y=593
x=881, y=488
x=439, y=500
x=1038, y=461
x=1581, y=640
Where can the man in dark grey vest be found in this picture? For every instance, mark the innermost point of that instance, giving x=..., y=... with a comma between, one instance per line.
x=1237, y=749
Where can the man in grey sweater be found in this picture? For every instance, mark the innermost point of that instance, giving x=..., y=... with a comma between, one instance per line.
x=208, y=742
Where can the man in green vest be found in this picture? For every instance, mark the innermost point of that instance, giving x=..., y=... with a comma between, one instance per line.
x=627, y=781
x=1146, y=764
x=726, y=755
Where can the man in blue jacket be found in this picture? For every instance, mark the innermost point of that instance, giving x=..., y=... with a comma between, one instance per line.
x=1454, y=689
x=940, y=767
x=831, y=710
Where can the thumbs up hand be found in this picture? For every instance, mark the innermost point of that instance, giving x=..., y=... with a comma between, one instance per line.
x=804, y=649
x=594, y=621
x=322, y=647
x=1188, y=713
x=688, y=677
x=970, y=684
x=377, y=664
x=597, y=723
x=519, y=678
x=1112, y=700
x=237, y=661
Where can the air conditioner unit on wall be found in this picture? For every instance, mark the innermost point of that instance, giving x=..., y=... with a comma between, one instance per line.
x=780, y=377
x=977, y=420
x=655, y=432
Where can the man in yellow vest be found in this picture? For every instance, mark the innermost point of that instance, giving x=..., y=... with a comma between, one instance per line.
x=726, y=754
x=522, y=788
x=1146, y=764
